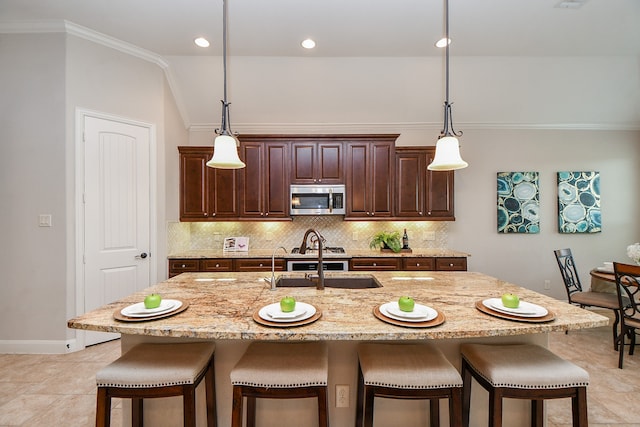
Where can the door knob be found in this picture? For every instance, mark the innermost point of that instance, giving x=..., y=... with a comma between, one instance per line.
x=143, y=255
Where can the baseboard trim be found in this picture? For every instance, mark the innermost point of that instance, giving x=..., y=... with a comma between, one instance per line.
x=38, y=346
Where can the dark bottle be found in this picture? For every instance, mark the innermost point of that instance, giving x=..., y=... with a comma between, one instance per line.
x=405, y=240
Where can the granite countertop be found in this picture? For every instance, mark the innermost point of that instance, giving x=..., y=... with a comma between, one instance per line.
x=350, y=253
x=222, y=305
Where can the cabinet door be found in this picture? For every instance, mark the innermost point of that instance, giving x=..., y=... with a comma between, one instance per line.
x=260, y=264
x=370, y=167
x=178, y=266
x=193, y=185
x=215, y=264
x=419, y=264
x=205, y=193
x=439, y=202
x=264, y=187
x=317, y=163
x=276, y=182
x=410, y=184
x=451, y=264
x=252, y=176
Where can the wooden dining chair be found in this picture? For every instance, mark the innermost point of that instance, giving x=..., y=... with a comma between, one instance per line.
x=577, y=296
x=628, y=290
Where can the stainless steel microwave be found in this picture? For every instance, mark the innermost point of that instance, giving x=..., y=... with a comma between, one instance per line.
x=317, y=199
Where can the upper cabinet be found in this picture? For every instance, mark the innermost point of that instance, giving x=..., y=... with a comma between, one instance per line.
x=370, y=171
x=314, y=162
x=205, y=193
x=421, y=194
x=382, y=181
x=264, y=182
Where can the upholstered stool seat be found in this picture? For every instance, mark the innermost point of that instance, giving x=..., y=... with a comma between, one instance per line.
x=407, y=371
x=523, y=371
x=280, y=371
x=158, y=370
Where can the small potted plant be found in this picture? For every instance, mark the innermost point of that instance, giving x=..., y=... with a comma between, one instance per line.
x=389, y=240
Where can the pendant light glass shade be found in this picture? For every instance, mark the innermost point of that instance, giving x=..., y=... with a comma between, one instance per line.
x=447, y=148
x=225, y=153
x=225, y=146
x=447, y=155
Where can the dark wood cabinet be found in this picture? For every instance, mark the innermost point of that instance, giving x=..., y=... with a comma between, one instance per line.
x=451, y=264
x=205, y=193
x=260, y=264
x=419, y=264
x=315, y=162
x=264, y=182
x=421, y=194
x=375, y=264
x=370, y=171
x=216, y=264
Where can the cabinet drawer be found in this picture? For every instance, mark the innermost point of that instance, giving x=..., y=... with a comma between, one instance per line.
x=177, y=266
x=260, y=264
x=451, y=264
x=374, y=264
x=418, y=264
x=216, y=265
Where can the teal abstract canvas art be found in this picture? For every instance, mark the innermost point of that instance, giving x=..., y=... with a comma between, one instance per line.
x=518, y=202
x=579, y=202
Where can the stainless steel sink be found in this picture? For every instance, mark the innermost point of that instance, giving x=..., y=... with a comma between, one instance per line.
x=347, y=282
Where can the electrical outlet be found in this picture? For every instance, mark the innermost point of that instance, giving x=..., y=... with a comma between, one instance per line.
x=269, y=236
x=342, y=395
x=547, y=284
x=354, y=236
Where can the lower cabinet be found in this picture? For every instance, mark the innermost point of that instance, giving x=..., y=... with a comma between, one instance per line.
x=190, y=265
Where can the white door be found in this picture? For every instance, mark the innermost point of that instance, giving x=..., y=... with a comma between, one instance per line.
x=116, y=213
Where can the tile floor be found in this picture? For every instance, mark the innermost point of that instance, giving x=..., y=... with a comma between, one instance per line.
x=59, y=390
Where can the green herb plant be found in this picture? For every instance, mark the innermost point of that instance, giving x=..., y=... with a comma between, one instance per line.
x=386, y=240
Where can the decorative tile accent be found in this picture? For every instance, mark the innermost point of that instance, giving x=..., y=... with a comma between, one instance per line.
x=268, y=235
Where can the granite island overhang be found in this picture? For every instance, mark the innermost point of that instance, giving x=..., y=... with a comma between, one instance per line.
x=221, y=308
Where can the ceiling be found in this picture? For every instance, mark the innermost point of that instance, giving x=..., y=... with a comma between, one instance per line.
x=352, y=27
x=405, y=29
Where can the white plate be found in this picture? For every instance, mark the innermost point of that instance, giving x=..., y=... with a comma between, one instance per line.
x=526, y=309
x=309, y=311
x=138, y=310
x=275, y=312
x=420, y=313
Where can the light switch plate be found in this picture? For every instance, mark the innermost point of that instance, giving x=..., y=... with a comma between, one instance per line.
x=44, y=220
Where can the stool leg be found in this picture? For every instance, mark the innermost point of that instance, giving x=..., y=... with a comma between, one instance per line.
x=322, y=407
x=495, y=408
x=579, y=407
x=615, y=329
x=251, y=411
x=189, y=405
x=360, y=398
x=103, y=408
x=236, y=413
x=455, y=407
x=137, y=412
x=434, y=412
x=537, y=413
x=368, y=406
x=210, y=387
x=466, y=393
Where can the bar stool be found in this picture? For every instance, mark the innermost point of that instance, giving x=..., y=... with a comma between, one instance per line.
x=158, y=370
x=280, y=371
x=407, y=371
x=523, y=371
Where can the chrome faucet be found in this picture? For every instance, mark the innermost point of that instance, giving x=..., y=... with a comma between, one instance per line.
x=273, y=266
x=318, y=278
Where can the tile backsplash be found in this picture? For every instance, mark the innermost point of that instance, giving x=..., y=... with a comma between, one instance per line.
x=185, y=236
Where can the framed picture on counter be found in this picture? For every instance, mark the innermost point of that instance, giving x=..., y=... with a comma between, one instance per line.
x=235, y=244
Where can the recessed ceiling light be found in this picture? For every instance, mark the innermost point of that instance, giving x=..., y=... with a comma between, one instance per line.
x=442, y=42
x=202, y=42
x=308, y=44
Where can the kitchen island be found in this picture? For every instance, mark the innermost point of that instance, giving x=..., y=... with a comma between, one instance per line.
x=222, y=306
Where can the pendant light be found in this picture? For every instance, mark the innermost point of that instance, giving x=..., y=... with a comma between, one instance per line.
x=225, y=148
x=447, y=148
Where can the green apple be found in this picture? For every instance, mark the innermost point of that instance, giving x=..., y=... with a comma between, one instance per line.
x=406, y=303
x=152, y=301
x=510, y=300
x=287, y=304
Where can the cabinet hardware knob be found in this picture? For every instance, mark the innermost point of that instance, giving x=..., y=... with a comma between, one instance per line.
x=213, y=214
x=267, y=214
x=417, y=264
x=374, y=264
x=260, y=264
x=451, y=265
x=206, y=214
x=217, y=265
x=183, y=266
